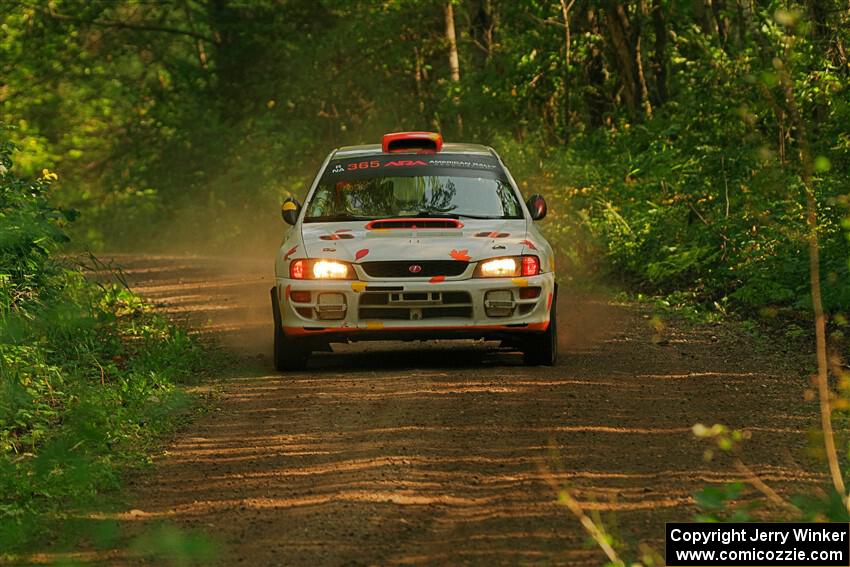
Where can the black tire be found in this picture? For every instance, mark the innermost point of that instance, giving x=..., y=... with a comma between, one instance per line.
x=289, y=353
x=542, y=349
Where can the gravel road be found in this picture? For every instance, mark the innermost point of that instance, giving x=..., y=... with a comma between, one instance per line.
x=452, y=453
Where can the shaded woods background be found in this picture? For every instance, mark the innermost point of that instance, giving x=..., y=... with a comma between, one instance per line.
x=688, y=148
x=663, y=131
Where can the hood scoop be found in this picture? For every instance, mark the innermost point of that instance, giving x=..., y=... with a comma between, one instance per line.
x=414, y=224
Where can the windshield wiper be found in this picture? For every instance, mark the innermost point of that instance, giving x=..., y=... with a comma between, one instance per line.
x=342, y=217
x=436, y=215
x=439, y=215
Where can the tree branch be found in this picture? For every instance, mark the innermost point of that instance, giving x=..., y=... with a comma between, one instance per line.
x=119, y=24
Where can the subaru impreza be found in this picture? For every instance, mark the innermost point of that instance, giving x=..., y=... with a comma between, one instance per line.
x=414, y=239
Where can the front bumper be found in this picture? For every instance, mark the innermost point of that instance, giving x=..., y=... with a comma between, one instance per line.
x=415, y=309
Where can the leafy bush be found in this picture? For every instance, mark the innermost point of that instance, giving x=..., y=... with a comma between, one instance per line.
x=87, y=371
x=696, y=200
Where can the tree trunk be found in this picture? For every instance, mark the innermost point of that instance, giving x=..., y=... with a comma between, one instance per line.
x=625, y=61
x=454, y=61
x=451, y=39
x=721, y=22
x=483, y=30
x=595, y=74
x=625, y=39
x=740, y=23
x=659, y=57
x=420, y=92
x=568, y=107
x=704, y=15
x=819, y=11
x=230, y=70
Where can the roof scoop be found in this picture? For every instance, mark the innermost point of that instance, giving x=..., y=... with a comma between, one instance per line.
x=418, y=142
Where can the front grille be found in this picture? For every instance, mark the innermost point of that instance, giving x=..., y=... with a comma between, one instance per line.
x=413, y=306
x=402, y=268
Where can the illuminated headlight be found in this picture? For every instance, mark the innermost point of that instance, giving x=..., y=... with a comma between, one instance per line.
x=303, y=269
x=498, y=268
x=507, y=267
x=330, y=270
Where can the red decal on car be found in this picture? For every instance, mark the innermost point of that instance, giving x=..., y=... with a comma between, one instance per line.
x=460, y=255
x=287, y=291
x=405, y=163
x=361, y=253
x=493, y=234
x=290, y=253
x=437, y=279
x=341, y=234
x=549, y=302
x=528, y=243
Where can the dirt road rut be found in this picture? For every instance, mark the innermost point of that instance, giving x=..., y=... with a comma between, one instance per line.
x=413, y=454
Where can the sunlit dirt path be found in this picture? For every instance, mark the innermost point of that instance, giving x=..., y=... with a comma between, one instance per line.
x=424, y=454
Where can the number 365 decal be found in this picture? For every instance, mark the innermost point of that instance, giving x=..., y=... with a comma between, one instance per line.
x=363, y=165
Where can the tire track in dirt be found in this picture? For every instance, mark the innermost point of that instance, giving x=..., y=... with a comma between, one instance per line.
x=423, y=454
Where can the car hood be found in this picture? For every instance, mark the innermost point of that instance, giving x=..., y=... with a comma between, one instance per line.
x=474, y=240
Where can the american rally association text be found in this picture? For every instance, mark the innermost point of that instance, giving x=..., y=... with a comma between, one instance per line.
x=756, y=534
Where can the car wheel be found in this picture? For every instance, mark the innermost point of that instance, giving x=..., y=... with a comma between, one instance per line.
x=542, y=349
x=289, y=353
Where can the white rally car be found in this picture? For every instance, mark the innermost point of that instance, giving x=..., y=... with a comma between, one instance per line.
x=414, y=239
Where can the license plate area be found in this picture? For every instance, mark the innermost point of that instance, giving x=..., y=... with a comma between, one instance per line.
x=415, y=305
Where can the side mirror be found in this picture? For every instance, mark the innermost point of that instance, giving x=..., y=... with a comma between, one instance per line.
x=290, y=209
x=536, y=206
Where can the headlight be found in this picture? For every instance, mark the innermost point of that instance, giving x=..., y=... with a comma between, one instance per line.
x=330, y=270
x=511, y=266
x=498, y=268
x=303, y=269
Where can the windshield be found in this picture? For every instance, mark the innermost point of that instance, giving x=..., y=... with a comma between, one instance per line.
x=387, y=187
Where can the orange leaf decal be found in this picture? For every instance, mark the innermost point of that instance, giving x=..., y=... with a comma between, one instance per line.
x=528, y=243
x=460, y=255
x=549, y=301
x=494, y=234
x=437, y=279
x=290, y=253
x=360, y=253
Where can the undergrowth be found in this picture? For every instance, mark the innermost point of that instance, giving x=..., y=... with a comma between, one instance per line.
x=90, y=378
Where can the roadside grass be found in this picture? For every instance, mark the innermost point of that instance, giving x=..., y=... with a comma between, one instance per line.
x=91, y=380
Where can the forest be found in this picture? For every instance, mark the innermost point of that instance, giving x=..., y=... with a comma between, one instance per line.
x=673, y=135
x=693, y=151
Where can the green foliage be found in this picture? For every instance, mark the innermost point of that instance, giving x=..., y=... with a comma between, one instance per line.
x=88, y=373
x=716, y=504
x=186, y=125
x=700, y=198
x=829, y=507
x=176, y=546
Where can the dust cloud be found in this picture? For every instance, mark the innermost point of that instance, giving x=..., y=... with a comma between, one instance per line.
x=227, y=298
x=219, y=282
